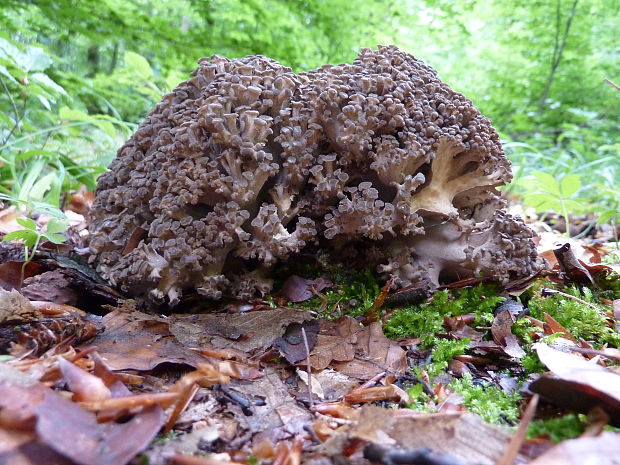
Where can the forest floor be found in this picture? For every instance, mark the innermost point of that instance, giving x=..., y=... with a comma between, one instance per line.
x=330, y=368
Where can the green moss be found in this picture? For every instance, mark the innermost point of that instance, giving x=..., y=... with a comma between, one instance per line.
x=492, y=403
x=443, y=352
x=609, y=286
x=355, y=293
x=531, y=363
x=420, y=399
x=582, y=321
x=426, y=319
x=557, y=429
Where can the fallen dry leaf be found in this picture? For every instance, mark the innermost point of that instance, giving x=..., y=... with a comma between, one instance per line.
x=462, y=435
x=292, y=346
x=600, y=450
x=60, y=422
x=577, y=384
x=297, y=289
x=275, y=414
x=501, y=329
x=358, y=352
x=140, y=342
x=242, y=331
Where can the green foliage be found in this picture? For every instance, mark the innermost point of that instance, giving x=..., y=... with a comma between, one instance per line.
x=492, y=403
x=544, y=192
x=557, y=429
x=426, y=319
x=46, y=148
x=31, y=236
x=582, y=321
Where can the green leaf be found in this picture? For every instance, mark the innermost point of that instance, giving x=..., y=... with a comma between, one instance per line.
x=44, y=101
x=575, y=206
x=55, y=238
x=607, y=215
x=41, y=186
x=138, y=64
x=547, y=182
x=44, y=207
x=68, y=114
x=27, y=223
x=106, y=127
x=46, y=81
x=29, y=238
x=34, y=59
x=570, y=185
x=5, y=72
x=34, y=171
x=57, y=225
x=542, y=202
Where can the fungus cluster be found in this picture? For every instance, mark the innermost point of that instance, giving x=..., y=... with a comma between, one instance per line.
x=247, y=163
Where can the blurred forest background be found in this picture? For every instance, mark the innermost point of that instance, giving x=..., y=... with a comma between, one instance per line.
x=76, y=77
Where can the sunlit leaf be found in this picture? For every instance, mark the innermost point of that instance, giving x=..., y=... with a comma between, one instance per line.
x=29, y=238
x=56, y=225
x=69, y=114
x=547, y=182
x=607, y=215
x=33, y=59
x=138, y=64
x=542, y=202
x=5, y=72
x=55, y=238
x=41, y=186
x=570, y=185
x=27, y=223
x=45, y=80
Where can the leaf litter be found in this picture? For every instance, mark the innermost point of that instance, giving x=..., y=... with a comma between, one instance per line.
x=256, y=382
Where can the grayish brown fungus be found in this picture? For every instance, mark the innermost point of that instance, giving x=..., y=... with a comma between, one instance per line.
x=246, y=163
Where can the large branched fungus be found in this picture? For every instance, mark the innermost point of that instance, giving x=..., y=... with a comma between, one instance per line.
x=246, y=163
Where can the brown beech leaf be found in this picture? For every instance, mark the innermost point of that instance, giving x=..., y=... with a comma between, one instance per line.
x=54, y=286
x=242, y=331
x=10, y=273
x=600, y=450
x=358, y=352
x=275, y=414
x=74, y=284
x=577, y=384
x=297, y=289
x=85, y=387
x=501, y=329
x=374, y=353
x=61, y=422
x=141, y=342
x=291, y=344
x=389, y=392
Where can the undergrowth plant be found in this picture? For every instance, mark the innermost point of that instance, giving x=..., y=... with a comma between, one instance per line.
x=48, y=145
x=544, y=192
x=31, y=236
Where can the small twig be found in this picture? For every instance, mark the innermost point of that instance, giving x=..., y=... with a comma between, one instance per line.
x=568, y=296
x=517, y=440
x=602, y=353
x=339, y=421
x=308, y=364
x=372, y=381
x=423, y=456
x=612, y=84
x=17, y=117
